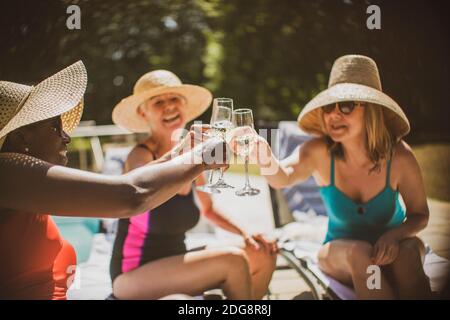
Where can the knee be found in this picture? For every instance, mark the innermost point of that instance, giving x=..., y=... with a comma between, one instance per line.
x=411, y=249
x=325, y=264
x=359, y=254
x=324, y=259
x=261, y=259
x=236, y=259
x=120, y=289
x=267, y=263
x=177, y=296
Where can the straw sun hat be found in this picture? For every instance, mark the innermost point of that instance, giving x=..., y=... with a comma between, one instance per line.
x=60, y=94
x=354, y=78
x=155, y=83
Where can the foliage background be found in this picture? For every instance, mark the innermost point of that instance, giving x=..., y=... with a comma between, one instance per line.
x=271, y=55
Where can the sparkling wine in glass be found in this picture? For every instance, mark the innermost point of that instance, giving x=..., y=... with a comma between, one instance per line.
x=245, y=144
x=220, y=124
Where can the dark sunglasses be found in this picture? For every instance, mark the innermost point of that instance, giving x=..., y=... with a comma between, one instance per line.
x=345, y=107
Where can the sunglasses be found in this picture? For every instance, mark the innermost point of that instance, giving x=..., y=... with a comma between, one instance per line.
x=345, y=107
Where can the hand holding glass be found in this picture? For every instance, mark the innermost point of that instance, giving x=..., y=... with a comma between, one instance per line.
x=220, y=124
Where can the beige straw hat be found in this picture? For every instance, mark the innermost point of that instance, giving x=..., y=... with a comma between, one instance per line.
x=354, y=78
x=155, y=83
x=60, y=94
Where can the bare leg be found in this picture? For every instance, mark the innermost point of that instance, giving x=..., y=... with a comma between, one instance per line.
x=191, y=274
x=262, y=266
x=177, y=296
x=347, y=261
x=407, y=271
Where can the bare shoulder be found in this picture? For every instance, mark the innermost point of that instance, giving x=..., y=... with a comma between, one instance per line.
x=314, y=148
x=138, y=157
x=19, y=172
x=139, y=152
x=403, y=153
x=404, y=159
x=10, y=161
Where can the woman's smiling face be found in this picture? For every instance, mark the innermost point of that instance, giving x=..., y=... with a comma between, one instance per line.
x=341, y=126
x=164, y=112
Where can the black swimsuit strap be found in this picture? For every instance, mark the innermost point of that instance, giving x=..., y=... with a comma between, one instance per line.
x=143, y=145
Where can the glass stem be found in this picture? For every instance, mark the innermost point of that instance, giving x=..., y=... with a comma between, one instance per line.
x=247, y=180
x=221, y=174
x=221, y=169
x=210, y=179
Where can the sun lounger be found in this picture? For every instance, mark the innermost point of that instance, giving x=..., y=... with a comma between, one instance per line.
x=302, y=256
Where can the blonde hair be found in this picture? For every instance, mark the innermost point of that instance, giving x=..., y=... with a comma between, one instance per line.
x=379, y=141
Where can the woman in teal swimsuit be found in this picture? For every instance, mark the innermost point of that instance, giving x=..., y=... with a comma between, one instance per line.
x=362, y=167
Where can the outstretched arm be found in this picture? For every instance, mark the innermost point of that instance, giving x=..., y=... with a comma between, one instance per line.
x=296, y=168
x=31, y=185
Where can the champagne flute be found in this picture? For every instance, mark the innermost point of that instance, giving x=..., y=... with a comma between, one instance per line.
x=245, y=143
x=220, y=124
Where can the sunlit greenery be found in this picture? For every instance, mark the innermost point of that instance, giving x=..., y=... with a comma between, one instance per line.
x=271, y=55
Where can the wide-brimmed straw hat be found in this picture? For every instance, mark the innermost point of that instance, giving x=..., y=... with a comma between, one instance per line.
x=60, y=94
x=354, y=78
x=155, y=83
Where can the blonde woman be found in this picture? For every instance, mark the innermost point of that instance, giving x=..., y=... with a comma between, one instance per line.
x=150, y=259
x=362, y=166
x=36, y=262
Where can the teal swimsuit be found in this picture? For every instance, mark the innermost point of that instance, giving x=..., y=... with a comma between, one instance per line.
x=361, y=221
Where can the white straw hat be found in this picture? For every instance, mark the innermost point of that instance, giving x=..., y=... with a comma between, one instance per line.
x=354, y=78
x=60, y=94
x=155, y=83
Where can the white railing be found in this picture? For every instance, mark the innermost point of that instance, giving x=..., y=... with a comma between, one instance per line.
x=88, y=130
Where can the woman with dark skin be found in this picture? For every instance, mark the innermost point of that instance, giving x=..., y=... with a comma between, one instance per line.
x=43, y=165
x=35, y=183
